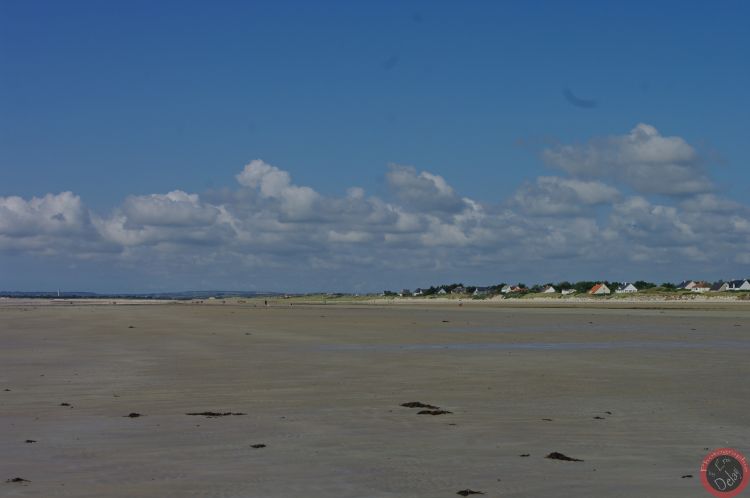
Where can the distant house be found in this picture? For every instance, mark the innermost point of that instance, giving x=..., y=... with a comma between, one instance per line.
x=481, y=291
x=549, y=290
x=505, y=289
x=442, y=292
x=626, y=288
x=419, y=292
x=599, y=290
x=738, y=285
x=687, y=285
x=719, y=286
x=404, y=292
x=701, y=287
x=459, y=290
x=517, y=288
x=567, y=292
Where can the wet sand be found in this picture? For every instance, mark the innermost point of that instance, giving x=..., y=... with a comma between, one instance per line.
x=640, y=394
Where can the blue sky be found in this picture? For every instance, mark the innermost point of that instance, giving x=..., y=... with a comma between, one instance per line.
x=116, y=103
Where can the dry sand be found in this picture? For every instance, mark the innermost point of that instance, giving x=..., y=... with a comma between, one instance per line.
x=321, y=386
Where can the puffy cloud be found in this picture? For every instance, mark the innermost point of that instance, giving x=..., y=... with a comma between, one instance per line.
x=282, y=234
x=423, y=190
x=52, y=214
x=657, y=225
x=643, y=159
x=169, y=220
x=53, y=225
x=298, y=203
x=119, y=230
x=555, y=196
x=175, y=208
x=711, y=203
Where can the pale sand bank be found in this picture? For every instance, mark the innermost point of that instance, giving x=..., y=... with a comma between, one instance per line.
x=321, y=388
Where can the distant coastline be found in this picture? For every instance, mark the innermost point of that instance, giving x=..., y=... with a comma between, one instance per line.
x=644, y=300
x=167, y=296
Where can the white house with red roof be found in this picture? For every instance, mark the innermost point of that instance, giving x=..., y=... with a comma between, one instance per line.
x=599, y=290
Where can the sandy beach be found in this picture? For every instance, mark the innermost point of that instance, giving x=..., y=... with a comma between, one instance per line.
x=639, y=392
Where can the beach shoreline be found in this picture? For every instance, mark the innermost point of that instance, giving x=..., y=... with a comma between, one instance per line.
x=299, y=399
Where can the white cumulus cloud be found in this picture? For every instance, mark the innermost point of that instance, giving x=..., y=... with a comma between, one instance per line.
x=555, y=196
x=52, y=214
x=423, y=190
x=273, y=183
x=269, y=228
x=175, y=208
x=645, y=160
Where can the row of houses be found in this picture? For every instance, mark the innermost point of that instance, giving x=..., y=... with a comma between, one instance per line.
x=720, y=286
x=603, y=290
x=442, y=291
x=597, y=290
x=478, y=291
x=514, y=289
x=691, y=285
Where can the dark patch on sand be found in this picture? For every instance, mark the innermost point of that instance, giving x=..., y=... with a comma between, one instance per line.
x=64, y=404
x=419, y=404
x=133, y=415
x=559, y=456
x=29, y=441
x=214, y=414
x=467, y=492
x=687, y=476
x=258, y=446
x=17, y=479
x=433, y=412
x=524, y=455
